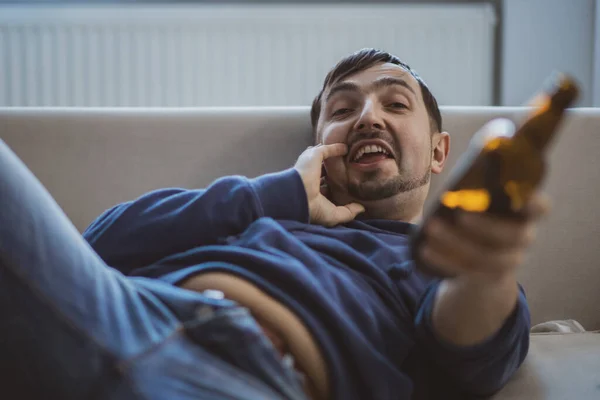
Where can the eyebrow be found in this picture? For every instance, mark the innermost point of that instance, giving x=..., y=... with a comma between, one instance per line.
x=386, y=81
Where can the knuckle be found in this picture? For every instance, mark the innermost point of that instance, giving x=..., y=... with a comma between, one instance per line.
x=512, y=260
x=525, y=237
x=519, y=258
x=529, y=236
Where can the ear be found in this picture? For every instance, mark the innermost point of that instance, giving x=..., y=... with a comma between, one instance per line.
x=440, y=147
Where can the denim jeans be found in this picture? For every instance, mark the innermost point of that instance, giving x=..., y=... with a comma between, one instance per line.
x=73, y=328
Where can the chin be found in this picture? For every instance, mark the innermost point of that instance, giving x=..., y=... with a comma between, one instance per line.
x=373, y=178
x=374, y=175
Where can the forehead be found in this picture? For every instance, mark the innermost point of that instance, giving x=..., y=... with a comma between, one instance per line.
x=368, y=76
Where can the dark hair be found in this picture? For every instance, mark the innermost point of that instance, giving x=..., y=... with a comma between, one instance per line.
x=362, y=60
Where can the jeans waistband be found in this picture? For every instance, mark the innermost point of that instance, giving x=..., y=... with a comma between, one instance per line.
x=230, y=332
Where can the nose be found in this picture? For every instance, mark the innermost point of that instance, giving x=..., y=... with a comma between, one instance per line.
x=370, y=118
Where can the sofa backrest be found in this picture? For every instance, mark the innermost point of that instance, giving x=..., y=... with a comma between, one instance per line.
x=91, y=159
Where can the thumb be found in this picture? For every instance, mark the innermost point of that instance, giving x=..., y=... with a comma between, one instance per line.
x=355, y=208
x=347, y=213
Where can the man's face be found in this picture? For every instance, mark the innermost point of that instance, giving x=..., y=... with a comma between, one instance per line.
x=380, y=114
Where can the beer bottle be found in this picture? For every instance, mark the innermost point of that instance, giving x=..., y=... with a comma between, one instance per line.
x=500, y=170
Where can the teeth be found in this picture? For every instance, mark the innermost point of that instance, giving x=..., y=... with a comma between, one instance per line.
x=373, y=148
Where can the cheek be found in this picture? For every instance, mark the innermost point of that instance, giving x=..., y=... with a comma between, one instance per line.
x=334, y=133
x=417, y=154
x=336, y=168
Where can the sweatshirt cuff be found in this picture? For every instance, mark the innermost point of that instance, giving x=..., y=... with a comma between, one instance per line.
x=514, y=326
x=282, y=195
x=484, y=367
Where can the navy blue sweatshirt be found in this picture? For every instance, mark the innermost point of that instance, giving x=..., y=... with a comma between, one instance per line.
x=354, y=285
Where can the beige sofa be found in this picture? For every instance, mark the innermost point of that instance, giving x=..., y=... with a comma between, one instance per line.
x=90, y=159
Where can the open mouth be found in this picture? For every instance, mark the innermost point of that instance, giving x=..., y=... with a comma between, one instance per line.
x=370, y=153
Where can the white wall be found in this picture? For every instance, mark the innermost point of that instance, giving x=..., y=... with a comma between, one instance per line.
x=540, y=36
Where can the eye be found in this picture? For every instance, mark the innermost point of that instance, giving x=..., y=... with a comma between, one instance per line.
x=398, y=105
x=341, y=111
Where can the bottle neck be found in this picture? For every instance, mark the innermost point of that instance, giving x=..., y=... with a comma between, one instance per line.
x=539, y=130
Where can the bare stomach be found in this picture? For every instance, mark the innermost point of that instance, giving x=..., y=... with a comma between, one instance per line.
x=285, y=330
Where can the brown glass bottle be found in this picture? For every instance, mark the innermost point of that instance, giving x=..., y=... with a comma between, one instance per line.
x=499, y=172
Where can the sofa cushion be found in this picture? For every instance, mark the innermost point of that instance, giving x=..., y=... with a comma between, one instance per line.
x=560, y=366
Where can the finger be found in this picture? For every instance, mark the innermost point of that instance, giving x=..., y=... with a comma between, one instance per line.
x=495, y=232
x=309, y=149
x=451, y=263
x=347, y=213
x=461, y=253
x=538, y=206
x=439, y=262
x=450, y=241
x=332, y=150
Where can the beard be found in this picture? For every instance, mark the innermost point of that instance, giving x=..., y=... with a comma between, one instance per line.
x=372, y=188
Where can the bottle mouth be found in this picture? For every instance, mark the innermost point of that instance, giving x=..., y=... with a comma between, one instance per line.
x=563, y=91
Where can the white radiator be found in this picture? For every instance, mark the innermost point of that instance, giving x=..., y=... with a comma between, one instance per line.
x=231, y=55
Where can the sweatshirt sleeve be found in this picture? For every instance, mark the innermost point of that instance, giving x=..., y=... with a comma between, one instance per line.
x=483, y=369
x=168, y=221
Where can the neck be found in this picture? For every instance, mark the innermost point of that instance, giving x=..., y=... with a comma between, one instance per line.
x=406, y=207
